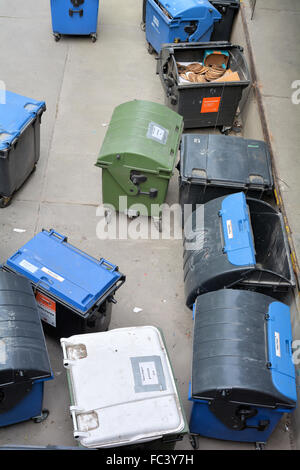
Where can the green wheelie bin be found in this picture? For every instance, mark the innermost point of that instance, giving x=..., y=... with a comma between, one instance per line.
x=138, y=157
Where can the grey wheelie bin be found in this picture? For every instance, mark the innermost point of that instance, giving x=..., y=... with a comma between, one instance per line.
x=233, y=242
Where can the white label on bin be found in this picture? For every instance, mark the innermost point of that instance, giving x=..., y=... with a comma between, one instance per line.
x=157, y=133
x=28, y=266
x=52, y=274
x=277, y=344
x=148, y=373
x=229, y=228
x=2, y=352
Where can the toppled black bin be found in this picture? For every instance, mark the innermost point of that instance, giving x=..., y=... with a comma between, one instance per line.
x=243, y=376
x=211, y=104
x=212, y=166
x=24, y=361
x=233, y=242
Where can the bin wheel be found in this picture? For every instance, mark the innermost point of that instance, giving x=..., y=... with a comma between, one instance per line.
x=150, y=48
x=94, y=37
x=260, y=446
x=143, y=26
x=5, y=201
x=39, y=419
x=57, y=37
x=194, y=440
x=225, y=130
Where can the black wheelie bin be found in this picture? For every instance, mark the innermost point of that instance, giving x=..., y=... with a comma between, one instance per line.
x=231, y=241
x=211, y=104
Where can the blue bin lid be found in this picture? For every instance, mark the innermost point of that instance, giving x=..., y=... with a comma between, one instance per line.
x=15, y=114
x=189, y=8
x=237, y=231
x=64, y=271
x=280, y=350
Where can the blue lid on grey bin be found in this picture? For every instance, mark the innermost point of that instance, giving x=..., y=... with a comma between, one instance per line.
x=16, y=111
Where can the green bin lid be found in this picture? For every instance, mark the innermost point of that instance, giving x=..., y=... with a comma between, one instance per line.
x=142, y=135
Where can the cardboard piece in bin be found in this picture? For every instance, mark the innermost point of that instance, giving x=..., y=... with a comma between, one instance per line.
x=219, y=58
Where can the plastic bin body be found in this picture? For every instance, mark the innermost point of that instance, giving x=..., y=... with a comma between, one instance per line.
x=233, y=242
x=179, y=21
x=212, y=104
x=74, y=17
x=138, y=156
x=20, y=119
x=130, y=399
x=228, y=9
x=24, y=361
x=212, y=166
x=243, y=376
x=73, y=290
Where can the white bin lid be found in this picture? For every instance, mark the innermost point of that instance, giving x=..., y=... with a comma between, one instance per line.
x=122, y=387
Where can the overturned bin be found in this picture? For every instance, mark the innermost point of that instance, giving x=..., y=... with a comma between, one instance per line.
x=20, y=121
x=207, y=103
x=243, y=376
x=170, y=21
x=233, y=242
x=130, y=398
x=24, y=361
x=74, y=291
x=138, y=157
x=212, y=166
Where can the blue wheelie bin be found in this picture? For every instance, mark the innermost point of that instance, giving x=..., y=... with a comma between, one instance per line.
x=74, y=17
x=173, y=21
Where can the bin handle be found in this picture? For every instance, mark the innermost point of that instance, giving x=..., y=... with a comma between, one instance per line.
x=71, y=12
x=62, y=238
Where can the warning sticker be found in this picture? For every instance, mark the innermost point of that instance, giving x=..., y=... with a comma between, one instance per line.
x=211, y=105
x=229, y=228
x=47, y=309
x=277, y=344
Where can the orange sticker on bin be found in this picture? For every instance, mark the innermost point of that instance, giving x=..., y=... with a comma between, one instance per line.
x=211, y=105
x=45, y=302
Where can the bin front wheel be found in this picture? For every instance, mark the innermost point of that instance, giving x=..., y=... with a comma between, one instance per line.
x=225, y=130
x=150, y=48
x=57, y=37
x=194, y=440
x=94, y=37
x=5, y=201
x=39, y=419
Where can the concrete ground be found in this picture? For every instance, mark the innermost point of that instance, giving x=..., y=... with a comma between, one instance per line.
x=81, y=83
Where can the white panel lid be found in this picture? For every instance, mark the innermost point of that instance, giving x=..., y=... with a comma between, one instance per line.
x=122, y=387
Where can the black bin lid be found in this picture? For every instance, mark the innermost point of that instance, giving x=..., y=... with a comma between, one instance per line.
x=23, y=352
x=225, y=161
x=242, y=346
